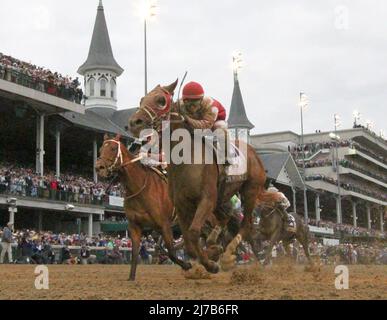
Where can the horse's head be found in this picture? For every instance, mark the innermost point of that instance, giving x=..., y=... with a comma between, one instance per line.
x=110, y=156
x=154, y=108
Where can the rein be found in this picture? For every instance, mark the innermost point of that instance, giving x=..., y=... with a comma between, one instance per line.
x=123, y=165
x=141, y=190
x=119, y=157
x=270, y=213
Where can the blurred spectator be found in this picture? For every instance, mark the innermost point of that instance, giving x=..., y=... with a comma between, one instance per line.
x=6, y=242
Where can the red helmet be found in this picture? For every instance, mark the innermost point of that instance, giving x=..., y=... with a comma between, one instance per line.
x=192, y=91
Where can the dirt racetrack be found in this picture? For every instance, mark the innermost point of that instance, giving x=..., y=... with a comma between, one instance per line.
x=168, y=282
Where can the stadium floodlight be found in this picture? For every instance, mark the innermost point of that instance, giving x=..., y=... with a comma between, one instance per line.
x=147, y=9
x=304, y=100
x=382, y=134
x=237, y=61
x=337, y=120
x=356, y=115
x=303, y=104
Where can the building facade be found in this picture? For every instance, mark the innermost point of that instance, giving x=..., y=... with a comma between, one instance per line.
x=348, y=171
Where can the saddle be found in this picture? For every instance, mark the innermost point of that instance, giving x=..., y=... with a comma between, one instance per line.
x=233, y=166
x=162, y=173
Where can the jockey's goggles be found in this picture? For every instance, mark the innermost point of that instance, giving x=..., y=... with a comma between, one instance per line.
x=191, y=103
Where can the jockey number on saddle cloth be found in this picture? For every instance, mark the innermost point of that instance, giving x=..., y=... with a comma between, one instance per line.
x=284, y=204
x=199, y=112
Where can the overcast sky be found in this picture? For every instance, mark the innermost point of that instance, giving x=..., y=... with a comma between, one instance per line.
x=335, y=51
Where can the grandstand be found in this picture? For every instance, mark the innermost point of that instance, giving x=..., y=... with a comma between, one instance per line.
x=49, y=141
x=362, y=172
x=50, y=133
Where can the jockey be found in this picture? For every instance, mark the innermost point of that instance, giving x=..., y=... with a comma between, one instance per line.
x=284, y=204
x=203, y=112
x=200, y=111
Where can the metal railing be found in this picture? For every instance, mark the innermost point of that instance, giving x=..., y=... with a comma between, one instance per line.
x=65, y=92
x=53, y=195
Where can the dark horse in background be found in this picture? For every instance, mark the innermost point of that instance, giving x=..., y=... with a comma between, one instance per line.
x=197, y=189
x=147, y=203
x=272, y=228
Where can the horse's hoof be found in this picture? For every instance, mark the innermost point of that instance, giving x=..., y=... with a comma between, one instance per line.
x=212, y=267
x=214, y=252
x=187, y=266
x=227, y=262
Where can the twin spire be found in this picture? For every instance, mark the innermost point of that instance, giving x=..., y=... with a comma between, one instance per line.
x=238, y=118
x=100, y=52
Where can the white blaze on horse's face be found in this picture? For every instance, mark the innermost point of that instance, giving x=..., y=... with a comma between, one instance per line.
x=105, y=165
x=118, y=159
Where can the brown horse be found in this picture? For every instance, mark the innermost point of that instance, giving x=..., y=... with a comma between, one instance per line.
x=147, y=203
x=272, y=228
x=199, y=189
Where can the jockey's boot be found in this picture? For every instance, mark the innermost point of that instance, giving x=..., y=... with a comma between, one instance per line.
x=222, y=141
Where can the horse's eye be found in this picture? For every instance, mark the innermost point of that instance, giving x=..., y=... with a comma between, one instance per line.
x=161, y=102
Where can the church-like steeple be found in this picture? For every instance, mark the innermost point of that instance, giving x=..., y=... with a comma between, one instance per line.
x=100, y=52
x=101, y=70
x=238, y=118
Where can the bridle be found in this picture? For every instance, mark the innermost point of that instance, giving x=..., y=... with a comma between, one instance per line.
x=119, y=157
x=157, y=117
x=115, y=165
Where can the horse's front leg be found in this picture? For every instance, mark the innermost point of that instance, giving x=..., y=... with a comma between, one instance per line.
x=166, y=233
x=135, y=235
x=272, y=241
x=302, y=235
x=205, y=207
x=246, y=231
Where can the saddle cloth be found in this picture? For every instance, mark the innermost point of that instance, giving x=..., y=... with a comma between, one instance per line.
x=238, y=162
x=236, y=170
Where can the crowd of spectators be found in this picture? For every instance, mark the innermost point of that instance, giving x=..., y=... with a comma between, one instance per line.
x=347, y=253
x=346, y=164
x=40, y=78
x=49, y=247
x=68, y=187
x=313, y=148
x=350, y=186
x=369, y=152
x=352, y=165
x=347, y=229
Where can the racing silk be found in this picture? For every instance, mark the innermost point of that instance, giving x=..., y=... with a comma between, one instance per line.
x=210, y=113
x=203, y=118
x=284, y=202
x=219, y=110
